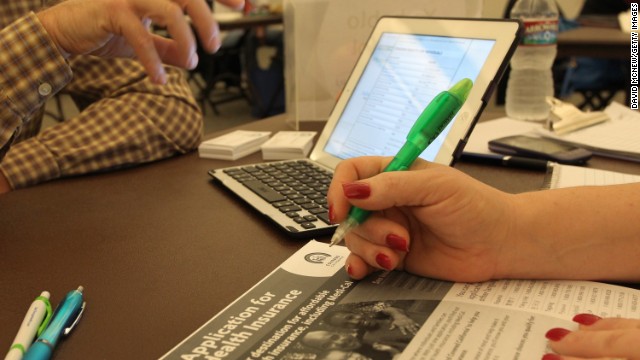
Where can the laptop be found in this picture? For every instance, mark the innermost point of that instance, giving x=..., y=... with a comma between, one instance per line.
x=405, y=63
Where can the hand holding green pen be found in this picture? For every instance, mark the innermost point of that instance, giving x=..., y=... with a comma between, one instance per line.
x=433, y=120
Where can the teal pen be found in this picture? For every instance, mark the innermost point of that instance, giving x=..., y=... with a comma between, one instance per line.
x=65, y=318
x=433, y=120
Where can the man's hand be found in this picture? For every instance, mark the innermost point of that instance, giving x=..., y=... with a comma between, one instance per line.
x=119, y=28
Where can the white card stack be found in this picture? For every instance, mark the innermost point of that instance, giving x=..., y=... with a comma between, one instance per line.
x=234, y=145
x=288, y=145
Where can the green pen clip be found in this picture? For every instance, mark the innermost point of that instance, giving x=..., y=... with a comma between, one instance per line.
x=47, y=318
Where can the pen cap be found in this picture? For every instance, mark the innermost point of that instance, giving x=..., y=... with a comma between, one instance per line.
x=462, y=89
x=438, y=114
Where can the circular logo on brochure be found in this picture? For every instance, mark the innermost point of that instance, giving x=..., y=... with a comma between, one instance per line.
x=317, y=257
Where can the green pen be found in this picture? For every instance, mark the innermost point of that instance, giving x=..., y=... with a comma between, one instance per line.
x=435, y=117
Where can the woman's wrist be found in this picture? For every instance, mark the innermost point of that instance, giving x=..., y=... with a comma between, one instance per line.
x=525, y=252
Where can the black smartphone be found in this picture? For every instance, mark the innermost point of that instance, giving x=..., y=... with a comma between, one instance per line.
x=540, y=148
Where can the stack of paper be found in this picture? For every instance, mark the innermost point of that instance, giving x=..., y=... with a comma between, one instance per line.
x=617, y=138
x=562, y=176
x=288, y=145
x=233, y=145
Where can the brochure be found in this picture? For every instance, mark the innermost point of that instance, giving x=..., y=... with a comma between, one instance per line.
x=308, y=308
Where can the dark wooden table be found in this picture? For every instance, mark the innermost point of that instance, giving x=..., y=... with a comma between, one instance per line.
x=159, y=249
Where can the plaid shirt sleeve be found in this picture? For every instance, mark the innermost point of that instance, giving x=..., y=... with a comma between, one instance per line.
x=128, y=121
x=31, y=71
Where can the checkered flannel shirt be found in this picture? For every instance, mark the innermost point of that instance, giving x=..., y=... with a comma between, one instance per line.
x=128, y=120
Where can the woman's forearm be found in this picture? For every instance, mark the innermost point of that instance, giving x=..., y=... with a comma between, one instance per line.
x=576, y=233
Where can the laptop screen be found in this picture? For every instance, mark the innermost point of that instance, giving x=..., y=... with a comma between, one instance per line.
x=404, y=73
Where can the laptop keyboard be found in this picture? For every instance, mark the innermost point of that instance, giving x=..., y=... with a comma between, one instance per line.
x=296, y=188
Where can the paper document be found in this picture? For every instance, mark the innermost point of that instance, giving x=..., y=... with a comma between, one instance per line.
x=562, y=176
x=486, y=131
x=618, y=138
x=299, y=310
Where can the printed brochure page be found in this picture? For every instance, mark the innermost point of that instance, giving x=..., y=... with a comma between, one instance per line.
x=308, y=308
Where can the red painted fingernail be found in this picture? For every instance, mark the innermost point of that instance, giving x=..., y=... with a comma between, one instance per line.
x=349, y=270
x=356, y=190
x=586, y=319
x=384, y=261
x=556, y=334
x=332, y=216
x=397, y=242
x=551, y=357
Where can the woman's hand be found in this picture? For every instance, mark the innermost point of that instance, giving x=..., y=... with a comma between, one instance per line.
x=609, y=338
x=432, y=221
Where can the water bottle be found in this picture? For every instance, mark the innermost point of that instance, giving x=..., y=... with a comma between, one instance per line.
x=531, y=80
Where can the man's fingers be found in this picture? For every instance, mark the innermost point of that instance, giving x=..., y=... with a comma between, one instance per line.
x=234, y=4
x=167, y=51
x=142, y=43
x=170, y=15
x=203, y=22
x=180, y=49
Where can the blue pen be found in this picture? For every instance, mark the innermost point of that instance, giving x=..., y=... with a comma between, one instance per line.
x=64, y=320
